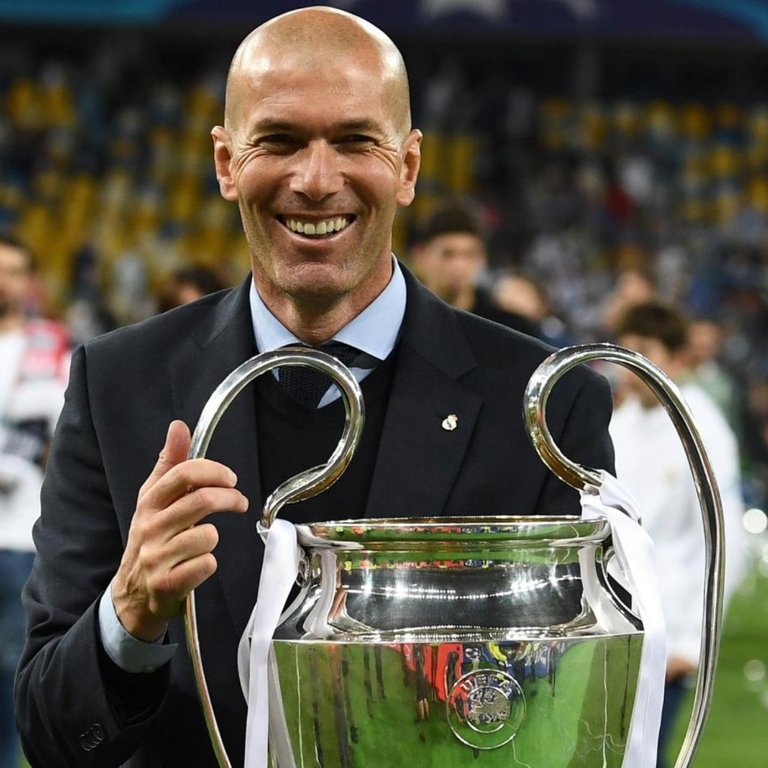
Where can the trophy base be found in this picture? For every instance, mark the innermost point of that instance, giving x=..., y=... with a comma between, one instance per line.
x=529, y=702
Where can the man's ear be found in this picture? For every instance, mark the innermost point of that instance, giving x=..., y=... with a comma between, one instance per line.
x=409, y=170
x=222, y=158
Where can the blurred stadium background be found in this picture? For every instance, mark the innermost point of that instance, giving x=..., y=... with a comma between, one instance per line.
x=598, y=137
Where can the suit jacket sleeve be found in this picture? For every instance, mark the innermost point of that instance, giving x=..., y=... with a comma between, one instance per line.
x=74, y=706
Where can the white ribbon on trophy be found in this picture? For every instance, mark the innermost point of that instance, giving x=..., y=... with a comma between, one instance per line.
x=282, y=556
x=635, y=556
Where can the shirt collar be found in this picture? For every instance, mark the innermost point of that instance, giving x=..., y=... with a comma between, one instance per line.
x=374, y=330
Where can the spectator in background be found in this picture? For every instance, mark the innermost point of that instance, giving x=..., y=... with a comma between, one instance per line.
x=755, y=437
x=523, y=295
x=188, y=284
x=449, y=258
x=651, y=461
x=634, y=285
x=34, y=355
x=705, y=343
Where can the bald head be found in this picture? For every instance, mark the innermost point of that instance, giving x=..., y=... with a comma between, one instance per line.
x=309, y=38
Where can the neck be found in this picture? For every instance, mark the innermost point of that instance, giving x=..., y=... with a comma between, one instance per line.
x=316, y=319
x=311, y=326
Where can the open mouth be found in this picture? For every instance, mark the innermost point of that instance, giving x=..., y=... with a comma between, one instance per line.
x=316, y=229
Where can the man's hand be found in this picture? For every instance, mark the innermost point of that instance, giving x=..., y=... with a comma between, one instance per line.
x=167, y=554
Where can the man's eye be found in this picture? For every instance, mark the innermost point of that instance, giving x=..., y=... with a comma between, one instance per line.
x=278, y=140
x=357, y=138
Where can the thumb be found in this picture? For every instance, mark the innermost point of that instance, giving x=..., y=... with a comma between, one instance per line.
x=175, y=450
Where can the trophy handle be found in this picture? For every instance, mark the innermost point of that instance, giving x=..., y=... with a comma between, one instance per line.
x=308, y=483
x=536, y=394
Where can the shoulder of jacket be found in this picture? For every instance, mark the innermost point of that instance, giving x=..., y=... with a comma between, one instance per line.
x=170, y=327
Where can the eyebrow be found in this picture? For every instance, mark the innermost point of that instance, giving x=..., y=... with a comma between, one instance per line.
x=269, y=125
x=355, y=126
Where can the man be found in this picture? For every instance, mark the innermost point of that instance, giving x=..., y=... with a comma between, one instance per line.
x=449, y=259
x=188, y=284
x=524, y=295
x=318, y=152
x=651, y=461
x=34, y=355
x=706, y=341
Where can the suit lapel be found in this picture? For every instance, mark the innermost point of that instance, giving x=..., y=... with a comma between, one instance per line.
x=205, y=362
x=420, y=455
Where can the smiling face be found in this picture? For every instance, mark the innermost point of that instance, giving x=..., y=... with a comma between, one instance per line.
x=318, y=153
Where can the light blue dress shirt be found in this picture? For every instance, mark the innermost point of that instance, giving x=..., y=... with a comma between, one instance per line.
x=374, y=331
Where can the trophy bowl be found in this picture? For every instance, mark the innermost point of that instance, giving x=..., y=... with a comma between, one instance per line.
x=455, y=640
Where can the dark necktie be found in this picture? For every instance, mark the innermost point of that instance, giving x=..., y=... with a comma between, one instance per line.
x=308, y=385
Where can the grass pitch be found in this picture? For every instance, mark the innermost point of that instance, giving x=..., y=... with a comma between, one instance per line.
x=737, y=727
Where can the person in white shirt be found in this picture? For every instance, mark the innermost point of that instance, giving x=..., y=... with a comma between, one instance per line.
x=651, y=461
x=33, y=374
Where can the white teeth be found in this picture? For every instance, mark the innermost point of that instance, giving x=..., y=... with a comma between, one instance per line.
x=326, y=227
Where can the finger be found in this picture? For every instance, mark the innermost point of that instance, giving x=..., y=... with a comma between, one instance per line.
x=186, y=545
x=185, y=478
x=174, y=451
x=189, y=575
x=190, y=509
x=154, y=528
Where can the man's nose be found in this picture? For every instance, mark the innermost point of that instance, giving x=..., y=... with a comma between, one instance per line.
x=318, y=173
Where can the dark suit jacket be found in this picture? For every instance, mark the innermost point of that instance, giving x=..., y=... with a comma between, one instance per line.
x=75, y=708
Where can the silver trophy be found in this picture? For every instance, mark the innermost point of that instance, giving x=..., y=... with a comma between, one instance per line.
x=456, y=641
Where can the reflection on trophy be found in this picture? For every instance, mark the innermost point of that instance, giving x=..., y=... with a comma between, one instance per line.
x=496, y=641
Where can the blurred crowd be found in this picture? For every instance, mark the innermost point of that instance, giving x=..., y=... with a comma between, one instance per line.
x=586, y=205
x=555, y=216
